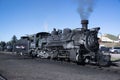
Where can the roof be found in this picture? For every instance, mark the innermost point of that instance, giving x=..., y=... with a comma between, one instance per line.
x=42, y=33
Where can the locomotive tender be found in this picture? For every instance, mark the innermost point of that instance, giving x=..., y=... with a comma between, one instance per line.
x=79, y=45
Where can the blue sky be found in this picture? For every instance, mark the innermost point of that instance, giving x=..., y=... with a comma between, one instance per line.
x=21, y=17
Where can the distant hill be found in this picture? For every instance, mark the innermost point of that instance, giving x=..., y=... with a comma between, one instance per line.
x=110, y=36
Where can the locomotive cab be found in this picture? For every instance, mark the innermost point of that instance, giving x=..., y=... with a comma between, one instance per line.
x=38, y=43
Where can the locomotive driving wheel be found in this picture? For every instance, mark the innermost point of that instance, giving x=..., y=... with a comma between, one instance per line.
x=79, y=59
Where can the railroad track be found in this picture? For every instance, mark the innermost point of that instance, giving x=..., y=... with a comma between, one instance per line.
x=115, y=68
x=2, y=77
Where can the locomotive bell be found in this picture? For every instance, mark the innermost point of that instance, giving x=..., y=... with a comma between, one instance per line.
x=84, y=24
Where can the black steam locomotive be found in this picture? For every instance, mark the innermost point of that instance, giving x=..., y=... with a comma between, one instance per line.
x=79, y=45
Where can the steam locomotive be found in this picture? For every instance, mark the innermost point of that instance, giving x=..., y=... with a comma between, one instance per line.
x=79, y=45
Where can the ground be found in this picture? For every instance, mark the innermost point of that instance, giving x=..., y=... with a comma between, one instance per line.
x=14, y=67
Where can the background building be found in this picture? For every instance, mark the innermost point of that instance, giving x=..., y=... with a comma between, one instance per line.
x=109, y=40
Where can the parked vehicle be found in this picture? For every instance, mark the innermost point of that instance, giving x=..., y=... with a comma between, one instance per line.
x=115, y=50
x=104, y=49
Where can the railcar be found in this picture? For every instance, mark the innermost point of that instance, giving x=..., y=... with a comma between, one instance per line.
x=22, y=45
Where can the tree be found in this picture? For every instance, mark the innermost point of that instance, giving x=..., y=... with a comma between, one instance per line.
x=2, y=44
x=9, y=43
x=9, y=46
x=13, y=41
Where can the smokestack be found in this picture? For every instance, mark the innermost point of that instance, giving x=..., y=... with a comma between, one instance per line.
x=84, y=24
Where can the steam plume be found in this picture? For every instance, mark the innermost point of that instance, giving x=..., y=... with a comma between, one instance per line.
x=85, y=8
x=45, y=27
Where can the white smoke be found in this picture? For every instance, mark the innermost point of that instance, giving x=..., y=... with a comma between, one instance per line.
x=85, y=8
x=45, y=27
